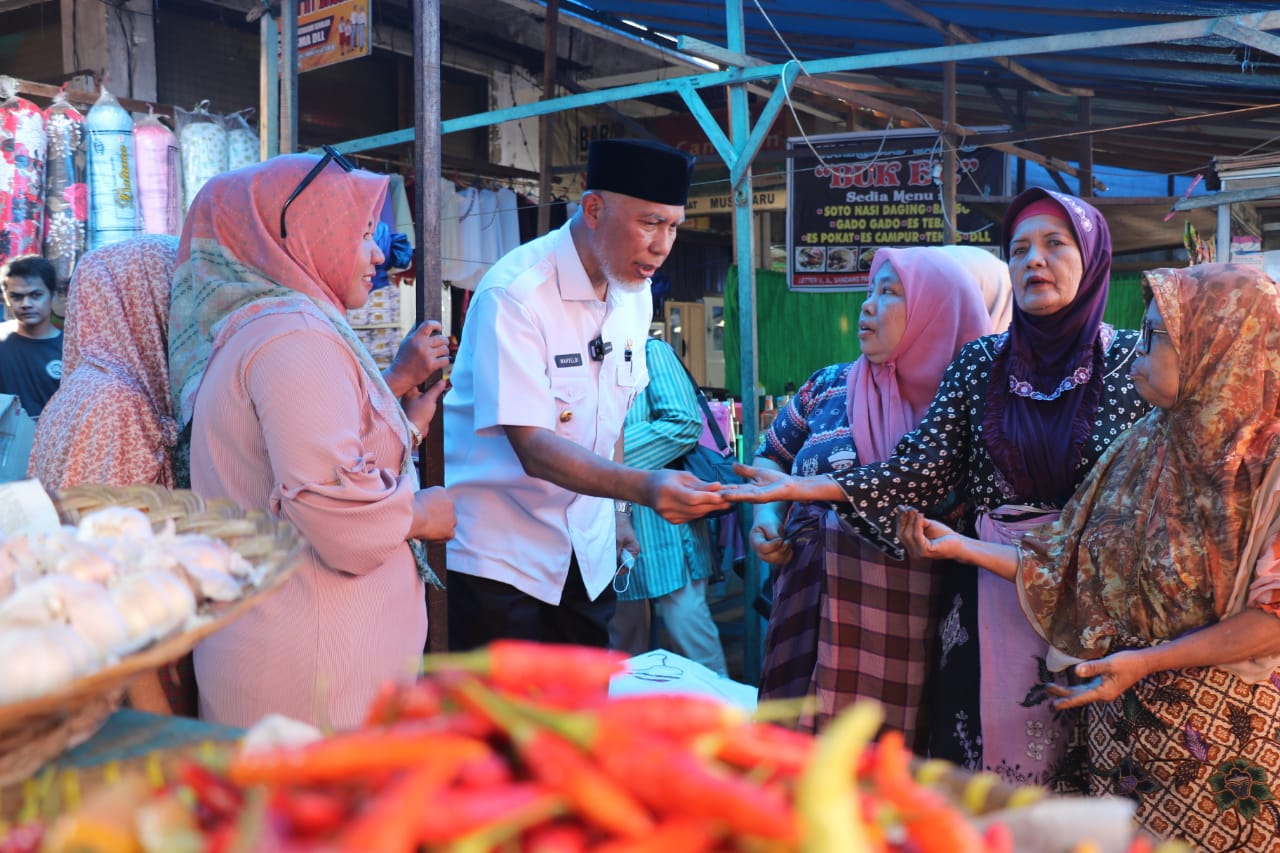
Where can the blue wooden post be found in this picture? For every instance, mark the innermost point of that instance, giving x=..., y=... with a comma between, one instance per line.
x=744, y=253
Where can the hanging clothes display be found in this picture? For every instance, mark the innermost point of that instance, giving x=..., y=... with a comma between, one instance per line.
x=22, y=151
x=158, y=188
x=113, y=203
x=508, y=224
x=242, y=143
x=203, y=139
x=66, y=193
x=488, y=226
x=452, y=267
x=469, y=267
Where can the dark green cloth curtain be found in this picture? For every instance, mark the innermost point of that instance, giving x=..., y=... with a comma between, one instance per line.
x=797, y=333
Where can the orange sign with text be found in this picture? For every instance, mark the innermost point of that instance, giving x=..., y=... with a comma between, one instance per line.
x=332, y=31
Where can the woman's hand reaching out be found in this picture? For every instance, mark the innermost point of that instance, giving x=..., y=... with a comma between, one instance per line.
x=766, y=485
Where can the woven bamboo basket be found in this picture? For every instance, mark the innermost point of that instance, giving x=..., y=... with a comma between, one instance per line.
x=35, y=730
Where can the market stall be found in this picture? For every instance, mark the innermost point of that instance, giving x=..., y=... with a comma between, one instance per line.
x=517, y=747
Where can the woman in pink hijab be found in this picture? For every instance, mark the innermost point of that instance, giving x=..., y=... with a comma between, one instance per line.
x=112, y=419
x=289, y=414
x=847, y=621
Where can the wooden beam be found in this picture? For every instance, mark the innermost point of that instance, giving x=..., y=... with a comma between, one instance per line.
x=960, y=34
x=1264, y=42
x=949, y=164
x=427, y=293
x=1228, y=197
x=546, y=123
x=15, y=5
x=288, y=124
x=80, y=96
x=1018, y=118
x=1085, y=107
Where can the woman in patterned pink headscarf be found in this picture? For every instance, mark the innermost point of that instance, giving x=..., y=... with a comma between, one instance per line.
x=111, y=420
x=288, y=413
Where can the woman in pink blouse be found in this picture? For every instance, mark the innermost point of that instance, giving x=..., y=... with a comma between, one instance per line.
x=289, y=413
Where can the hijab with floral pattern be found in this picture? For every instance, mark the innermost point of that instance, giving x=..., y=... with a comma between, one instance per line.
x=112, y=418
x=1155, y=542
x=1046, y=380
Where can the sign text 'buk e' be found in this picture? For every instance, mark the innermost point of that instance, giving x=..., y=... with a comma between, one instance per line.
x=874, y=190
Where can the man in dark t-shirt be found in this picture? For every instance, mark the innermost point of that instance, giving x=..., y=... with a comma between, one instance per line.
x=30, y=345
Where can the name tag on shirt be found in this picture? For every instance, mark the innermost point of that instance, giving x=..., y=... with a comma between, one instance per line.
x=570, y=360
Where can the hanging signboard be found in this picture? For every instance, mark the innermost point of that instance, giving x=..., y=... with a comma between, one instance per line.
x=333, y=31
x=873, y=190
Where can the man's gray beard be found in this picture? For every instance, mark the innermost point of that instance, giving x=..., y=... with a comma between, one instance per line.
x=623, y=285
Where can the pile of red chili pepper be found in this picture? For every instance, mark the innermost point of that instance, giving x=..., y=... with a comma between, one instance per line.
x=516, y=747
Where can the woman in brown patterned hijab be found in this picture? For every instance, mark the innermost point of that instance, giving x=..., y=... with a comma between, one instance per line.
x=1161, y=580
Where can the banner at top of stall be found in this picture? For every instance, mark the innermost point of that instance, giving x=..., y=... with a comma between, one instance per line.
x=853, y=193
x=332, y=31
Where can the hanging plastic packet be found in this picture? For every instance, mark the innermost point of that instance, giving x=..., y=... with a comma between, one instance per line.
x=66, y=193
x=113, y=202
x=158, y=188
x=22, y=151
x=242, y=141
x=203, y=140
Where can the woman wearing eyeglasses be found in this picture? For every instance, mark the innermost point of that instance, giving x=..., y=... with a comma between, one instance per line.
x=1163, y=573
x=1019, y=420
x=289, y=414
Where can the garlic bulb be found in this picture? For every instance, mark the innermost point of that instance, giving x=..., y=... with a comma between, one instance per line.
x=115, y=522
x=86, y=561
x=152, y=603
x=36, y=660
x=21, y=560
x=83, y=605
x=8, y=570
x=215, y=572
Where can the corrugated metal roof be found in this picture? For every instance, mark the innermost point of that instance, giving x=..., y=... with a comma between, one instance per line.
x=1169, y=107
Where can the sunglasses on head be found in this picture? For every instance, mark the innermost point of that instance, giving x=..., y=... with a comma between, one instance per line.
x=330, y=153
x=1148, y=331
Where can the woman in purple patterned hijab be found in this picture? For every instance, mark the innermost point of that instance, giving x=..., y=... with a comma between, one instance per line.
x=1047, y=379
x=1018, y=422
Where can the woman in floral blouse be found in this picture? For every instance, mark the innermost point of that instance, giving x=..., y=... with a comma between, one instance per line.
x=1019, y=420
x=1163, y=573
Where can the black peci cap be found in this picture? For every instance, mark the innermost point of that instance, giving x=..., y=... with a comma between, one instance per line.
x=641, y=169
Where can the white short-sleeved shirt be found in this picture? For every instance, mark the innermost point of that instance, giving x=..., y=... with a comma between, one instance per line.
x=525, y=360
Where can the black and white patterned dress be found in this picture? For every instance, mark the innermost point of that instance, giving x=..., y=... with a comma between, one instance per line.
x=944, y=455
